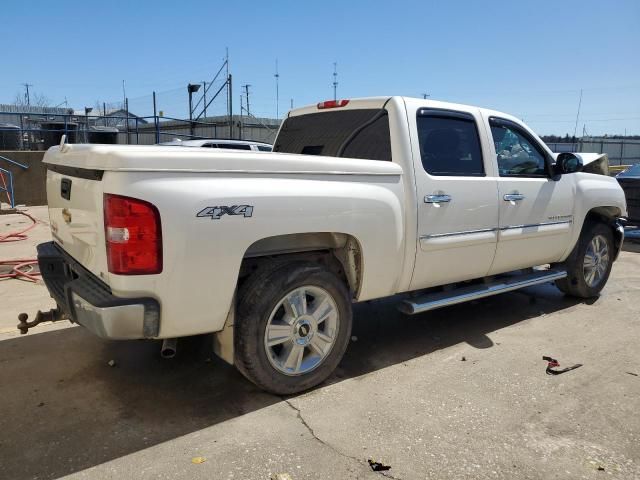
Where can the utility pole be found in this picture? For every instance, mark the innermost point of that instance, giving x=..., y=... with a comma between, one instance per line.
x=124, y=94
x=277, y=75
x=230, y=103
x=204, y=94
x=26, y=96
x=335, y=80
x=241, y=119
x=292, y=104
x=425, y=95
x=246, y=90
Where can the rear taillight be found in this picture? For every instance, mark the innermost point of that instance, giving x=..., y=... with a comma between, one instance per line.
x=332, y=104
x=133, y=235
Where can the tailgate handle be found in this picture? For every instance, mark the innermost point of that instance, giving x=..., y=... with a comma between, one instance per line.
x=65, y=188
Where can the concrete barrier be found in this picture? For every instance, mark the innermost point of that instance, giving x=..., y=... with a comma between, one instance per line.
x=29, y=186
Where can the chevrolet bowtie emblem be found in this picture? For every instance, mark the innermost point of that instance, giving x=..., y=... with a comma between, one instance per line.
x=66, y=214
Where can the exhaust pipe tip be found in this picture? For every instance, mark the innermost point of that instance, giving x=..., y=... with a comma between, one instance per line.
x=169, y=348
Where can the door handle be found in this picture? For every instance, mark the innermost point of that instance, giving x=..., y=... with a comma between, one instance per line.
x=513, y=197
x=437, y=199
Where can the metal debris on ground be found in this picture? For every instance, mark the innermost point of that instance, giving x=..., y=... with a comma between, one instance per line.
x=553, y=363
x=378, y=466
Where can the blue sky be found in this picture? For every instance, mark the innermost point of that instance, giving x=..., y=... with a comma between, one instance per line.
x=527, y=58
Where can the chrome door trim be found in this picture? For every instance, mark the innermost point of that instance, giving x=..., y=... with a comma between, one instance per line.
x=486, y=230
x=529, y=225
x=451, y=234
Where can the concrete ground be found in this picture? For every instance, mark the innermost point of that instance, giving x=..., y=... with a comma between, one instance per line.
x=456, y=393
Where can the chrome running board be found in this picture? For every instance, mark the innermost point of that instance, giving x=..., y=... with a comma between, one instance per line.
x=431, y=301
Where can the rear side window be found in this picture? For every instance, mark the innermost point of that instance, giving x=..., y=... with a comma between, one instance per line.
x=449, y=143
x=349, y=133
x=264, y=149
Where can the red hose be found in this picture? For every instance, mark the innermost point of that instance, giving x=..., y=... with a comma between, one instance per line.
x=21, y=268
x=21, y=235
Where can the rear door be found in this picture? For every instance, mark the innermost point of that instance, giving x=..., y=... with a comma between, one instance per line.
x=536, y=208
x=457, y=197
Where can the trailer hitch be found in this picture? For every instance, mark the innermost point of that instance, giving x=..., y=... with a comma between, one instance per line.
x=53, y=315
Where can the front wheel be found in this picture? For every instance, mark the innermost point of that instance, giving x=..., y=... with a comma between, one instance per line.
x=292, y=327
x=589, y=265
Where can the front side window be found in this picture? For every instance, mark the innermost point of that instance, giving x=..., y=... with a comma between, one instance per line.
x=517, y=155
x=449, y=144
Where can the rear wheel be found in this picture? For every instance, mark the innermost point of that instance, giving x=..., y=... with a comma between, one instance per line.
x=589, y=265
x=292, y=327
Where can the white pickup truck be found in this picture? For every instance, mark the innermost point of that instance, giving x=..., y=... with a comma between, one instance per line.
x=361, y=199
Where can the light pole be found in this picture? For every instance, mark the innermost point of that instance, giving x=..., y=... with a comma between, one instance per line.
x=191, y=88
x=87, y=111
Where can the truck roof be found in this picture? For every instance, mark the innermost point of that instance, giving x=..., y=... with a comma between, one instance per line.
x=411, y=102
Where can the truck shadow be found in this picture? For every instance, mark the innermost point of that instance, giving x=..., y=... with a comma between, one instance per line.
x=64, y=409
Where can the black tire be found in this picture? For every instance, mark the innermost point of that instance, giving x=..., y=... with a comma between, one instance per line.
x=258, y=298
x=575, y=284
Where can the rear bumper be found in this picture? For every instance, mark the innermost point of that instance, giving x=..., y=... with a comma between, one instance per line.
x=89, y=302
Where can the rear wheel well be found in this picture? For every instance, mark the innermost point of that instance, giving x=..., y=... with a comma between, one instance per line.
x=338, y=252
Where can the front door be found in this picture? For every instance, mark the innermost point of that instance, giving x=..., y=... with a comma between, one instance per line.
x=536, y=210
x=457, y=198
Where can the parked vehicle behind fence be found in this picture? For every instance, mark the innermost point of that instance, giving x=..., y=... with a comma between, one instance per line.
x=629, y=180
x=221, y=143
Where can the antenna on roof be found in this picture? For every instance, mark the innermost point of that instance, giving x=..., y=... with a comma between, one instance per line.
x=335, y=80
x=277, y=75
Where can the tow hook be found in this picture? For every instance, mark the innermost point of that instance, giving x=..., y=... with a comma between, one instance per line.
x=52, y=315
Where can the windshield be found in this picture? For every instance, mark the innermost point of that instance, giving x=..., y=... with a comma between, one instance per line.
x=632, y=171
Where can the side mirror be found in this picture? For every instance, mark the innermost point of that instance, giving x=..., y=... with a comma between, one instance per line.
x=568, y=162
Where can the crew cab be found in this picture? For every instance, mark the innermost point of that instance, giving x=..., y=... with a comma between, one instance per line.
x=361, y=199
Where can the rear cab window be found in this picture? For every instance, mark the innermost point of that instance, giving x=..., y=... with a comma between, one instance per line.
x=361, y=133
x=449, y=143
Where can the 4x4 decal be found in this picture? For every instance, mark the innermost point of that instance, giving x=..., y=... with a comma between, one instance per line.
x=216, y=212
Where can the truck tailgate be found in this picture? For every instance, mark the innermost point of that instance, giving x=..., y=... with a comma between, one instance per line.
x=75, y=201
